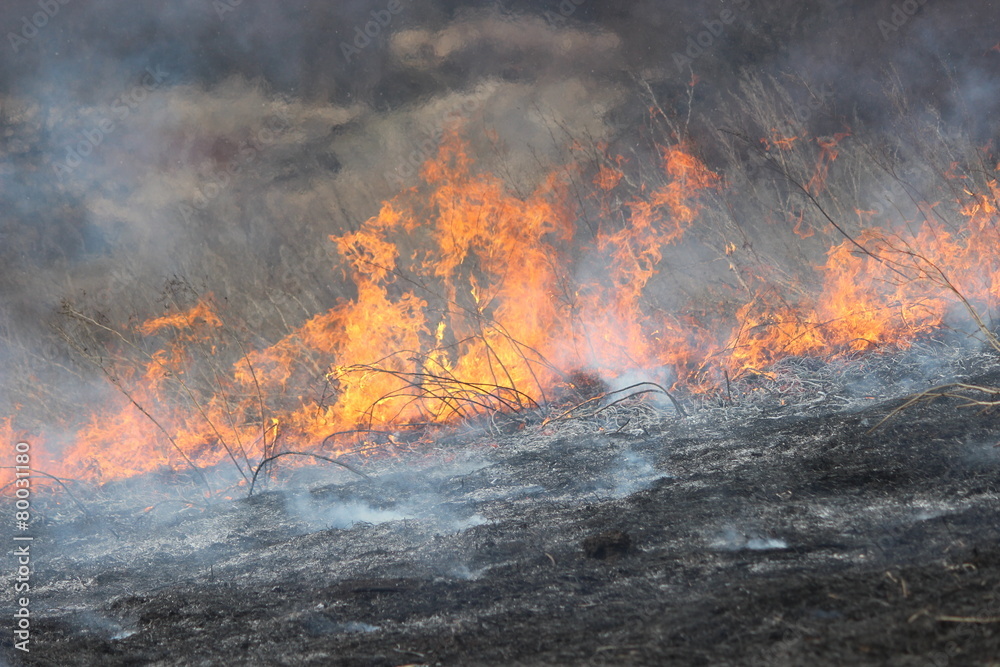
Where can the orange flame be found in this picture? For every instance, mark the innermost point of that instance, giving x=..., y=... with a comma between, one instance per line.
x=469, y=299
x=828, y=153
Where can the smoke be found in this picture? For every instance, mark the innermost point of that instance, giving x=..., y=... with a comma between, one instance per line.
x=213, y=147
x=635, y=473
x=732, y=539
x=320, y=514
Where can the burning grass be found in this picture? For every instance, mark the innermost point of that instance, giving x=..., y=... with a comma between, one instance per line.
x=466, y=299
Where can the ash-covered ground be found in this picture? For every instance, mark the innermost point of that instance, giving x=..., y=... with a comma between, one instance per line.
x=154, y=153
x=779, y=529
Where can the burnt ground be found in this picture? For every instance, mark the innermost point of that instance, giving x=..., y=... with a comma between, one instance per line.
x=755, y=533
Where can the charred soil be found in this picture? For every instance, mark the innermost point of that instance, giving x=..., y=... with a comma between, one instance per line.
x=769, y=536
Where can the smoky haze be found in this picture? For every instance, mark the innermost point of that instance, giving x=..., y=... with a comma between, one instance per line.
x=154, y=152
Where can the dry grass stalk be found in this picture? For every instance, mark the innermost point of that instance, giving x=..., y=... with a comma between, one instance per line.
x=952, y=390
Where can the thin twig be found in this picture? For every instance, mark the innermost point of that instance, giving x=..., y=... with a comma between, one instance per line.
x=656, y=388
x=273, y=457
x=945, y=391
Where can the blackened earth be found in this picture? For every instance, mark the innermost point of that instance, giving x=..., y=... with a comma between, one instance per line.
x=739, y=535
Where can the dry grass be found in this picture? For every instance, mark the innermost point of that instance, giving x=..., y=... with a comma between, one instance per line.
x=757, y=241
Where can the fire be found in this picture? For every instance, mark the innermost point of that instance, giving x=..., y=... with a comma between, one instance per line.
x=777, y=140
x=468, y=299
x=828, y=153
x=182, y=320
x=905, y=285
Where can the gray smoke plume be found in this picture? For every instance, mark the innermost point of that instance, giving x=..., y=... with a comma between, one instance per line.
x=213, y=147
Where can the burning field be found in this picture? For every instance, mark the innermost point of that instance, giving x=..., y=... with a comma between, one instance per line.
x=379, y=334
